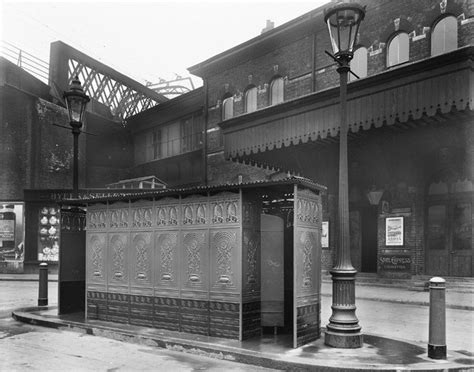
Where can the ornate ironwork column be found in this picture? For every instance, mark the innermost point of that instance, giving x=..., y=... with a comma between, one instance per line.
x=343, y=330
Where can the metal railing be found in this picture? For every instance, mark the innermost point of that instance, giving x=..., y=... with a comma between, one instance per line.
x=28, y=62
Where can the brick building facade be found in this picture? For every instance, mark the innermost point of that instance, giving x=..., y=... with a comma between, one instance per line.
x=410, y=141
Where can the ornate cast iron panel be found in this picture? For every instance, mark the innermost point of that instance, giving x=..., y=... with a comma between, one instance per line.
x=251, y=276
x=224, y=319
x=174, y=264
x=118, y=262
x=166, y=265
x=167, y=213
x=195, y=211
x=195, y=263
x=142, y=217
x=119, y=217
x=166, y=313
x=142, y=260
x=141, y=310
x=225, y=262
x=96, y=259
x=307, y=266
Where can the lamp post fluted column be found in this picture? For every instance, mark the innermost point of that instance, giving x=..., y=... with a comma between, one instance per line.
x=76, y=130
x=343, y=329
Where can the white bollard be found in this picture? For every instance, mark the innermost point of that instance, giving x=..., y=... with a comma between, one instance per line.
x=437, y=335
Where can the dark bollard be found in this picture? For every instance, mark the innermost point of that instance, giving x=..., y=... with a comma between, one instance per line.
x=43, y=285
x=437, y=335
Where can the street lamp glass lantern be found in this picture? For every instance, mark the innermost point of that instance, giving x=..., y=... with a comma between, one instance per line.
x=76, y=101
x=343, y=22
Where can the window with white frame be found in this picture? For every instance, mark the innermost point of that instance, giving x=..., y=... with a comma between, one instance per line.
x=398, y=49
x=169, y=140
x=251, y=99
x=227, y=108
x=359, y=63
x=276, y=90
x=444, y=37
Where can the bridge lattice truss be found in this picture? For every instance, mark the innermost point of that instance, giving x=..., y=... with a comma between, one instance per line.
x=124, y=101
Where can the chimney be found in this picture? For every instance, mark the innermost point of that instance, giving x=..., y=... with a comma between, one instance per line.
x=270, y=25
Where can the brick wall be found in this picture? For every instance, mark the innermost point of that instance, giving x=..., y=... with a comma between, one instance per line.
x=15, y=157
x=294, y=61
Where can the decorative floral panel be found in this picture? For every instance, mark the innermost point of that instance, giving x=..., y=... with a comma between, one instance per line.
x=195, y=211
x=119, y=218
x=166, y=258
x=96, y=219
x=224, y=254
x=225, y=209
x=167, y=212
x=195, y=258
x=96, y=257
x=251, y=260
x=117, y=259
x=142, y=258
x=142, y=217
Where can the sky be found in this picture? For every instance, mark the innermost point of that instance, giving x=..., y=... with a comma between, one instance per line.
x=146, y=40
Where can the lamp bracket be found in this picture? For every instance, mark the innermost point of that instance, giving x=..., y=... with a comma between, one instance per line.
x=340, y=63
x=82, y=131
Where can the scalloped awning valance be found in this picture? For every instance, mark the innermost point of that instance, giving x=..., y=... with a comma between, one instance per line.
x=396, y=96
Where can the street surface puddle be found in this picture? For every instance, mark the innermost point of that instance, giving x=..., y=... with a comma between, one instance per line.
x=466, y=361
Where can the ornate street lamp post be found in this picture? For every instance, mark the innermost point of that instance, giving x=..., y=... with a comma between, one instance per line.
x=343, y=330
x=76, y=101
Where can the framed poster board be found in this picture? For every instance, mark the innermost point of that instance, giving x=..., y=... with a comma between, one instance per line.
x=325, y=234
x=394, y=231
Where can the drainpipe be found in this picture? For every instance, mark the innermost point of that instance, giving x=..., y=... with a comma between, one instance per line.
x=204, y=140
x=313, y=68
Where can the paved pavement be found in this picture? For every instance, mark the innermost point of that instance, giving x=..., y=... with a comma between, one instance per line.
x=25, y=347
x=394, y=322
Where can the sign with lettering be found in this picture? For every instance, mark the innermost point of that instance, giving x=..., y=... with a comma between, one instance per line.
x=395, y=262
x=394, y=231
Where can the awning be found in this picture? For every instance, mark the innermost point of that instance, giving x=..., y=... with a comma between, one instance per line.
x=430, y=87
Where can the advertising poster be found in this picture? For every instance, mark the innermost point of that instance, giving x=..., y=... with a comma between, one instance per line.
x=11, y=232
x=394, y=231
x=49, y=229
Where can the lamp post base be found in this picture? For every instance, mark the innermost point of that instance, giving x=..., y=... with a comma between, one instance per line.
x=343, y=330
x=344, y=340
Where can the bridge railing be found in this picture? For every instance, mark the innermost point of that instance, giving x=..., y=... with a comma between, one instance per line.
x=28, y=62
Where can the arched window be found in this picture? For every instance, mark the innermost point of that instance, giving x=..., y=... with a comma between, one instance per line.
x=227, y=108
x=251, y=99
x=359, y=63
x=398, y=49
x=276, y=90
x=444, y=37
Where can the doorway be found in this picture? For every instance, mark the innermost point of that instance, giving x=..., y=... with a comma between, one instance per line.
x=277, y=275
x=449, y=248
x=369, y=239
x=72, y=261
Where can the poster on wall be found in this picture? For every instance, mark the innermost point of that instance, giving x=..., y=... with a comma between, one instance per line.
x=11, y=232
x=394, y=231
x=325, y=235
x=48, y=234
